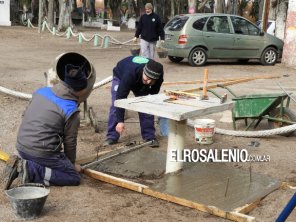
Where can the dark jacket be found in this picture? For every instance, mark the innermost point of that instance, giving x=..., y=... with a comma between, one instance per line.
x=130, y=73
x=150, y=28
x=50, y=123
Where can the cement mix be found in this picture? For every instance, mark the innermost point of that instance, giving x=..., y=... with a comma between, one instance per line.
x=146, y=163
x=213, y=184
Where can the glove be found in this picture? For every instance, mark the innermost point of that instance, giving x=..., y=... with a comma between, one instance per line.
x=135, y=39
x=161, y=41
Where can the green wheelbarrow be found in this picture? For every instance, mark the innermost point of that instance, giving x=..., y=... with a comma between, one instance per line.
x=273, y=107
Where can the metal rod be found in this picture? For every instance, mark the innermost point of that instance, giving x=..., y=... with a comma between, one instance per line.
x=227, y=185
x=116, y=153
x=286, y=92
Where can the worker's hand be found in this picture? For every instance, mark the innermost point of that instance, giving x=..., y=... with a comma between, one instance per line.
x=120, y=127
x=161, y=41
x=78, y=168
x=135, y=39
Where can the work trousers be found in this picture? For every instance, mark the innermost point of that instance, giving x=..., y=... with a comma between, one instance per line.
x=54, y=170
x=146, y=120
x=147, y=49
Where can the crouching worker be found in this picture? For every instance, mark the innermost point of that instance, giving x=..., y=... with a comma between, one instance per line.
x=47, y=137
x=142, y=76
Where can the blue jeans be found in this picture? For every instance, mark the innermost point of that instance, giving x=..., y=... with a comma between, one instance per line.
x=146, y=120
x=54, y=170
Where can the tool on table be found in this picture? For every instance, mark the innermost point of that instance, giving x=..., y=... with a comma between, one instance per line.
x=174, y=95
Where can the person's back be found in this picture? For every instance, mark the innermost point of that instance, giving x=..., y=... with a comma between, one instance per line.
x=42, y=129
x=47, y=137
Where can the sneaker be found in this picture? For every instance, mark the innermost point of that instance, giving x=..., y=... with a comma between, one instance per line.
x=109, y=142
x=154, y=143
x=10, y=172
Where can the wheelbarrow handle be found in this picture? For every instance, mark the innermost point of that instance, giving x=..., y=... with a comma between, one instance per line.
x=229, y=90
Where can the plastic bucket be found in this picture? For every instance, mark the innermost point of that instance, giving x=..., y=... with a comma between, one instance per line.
x=204, y=130
x=27, y=200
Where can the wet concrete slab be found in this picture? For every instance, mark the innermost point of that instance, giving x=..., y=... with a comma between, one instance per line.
x=216, y=184
x=213, y=184
x=143, y=163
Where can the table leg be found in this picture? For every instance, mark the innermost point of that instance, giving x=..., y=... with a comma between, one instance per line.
x=175, y=145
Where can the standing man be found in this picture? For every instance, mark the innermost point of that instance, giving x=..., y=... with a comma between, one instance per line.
x=150, y=28
x=47, y=136
x=142, y=76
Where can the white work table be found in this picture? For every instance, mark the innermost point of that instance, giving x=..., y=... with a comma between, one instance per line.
x=177, y=114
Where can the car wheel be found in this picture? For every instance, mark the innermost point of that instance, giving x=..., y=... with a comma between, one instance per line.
x=269, y=57
x=175, y=59
x=197, y=57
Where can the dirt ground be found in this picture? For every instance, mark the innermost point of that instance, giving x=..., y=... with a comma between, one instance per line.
x=25, y=55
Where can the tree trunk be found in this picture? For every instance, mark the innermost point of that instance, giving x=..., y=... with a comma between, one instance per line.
x=105, y=11
x=172, y=9
x=65, y=19
x=219, y=6
x=280, y=21
x=115, y=5
x=191, y=6
x=50, y=13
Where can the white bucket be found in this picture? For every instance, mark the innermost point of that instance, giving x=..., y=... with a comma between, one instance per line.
x=204, y=130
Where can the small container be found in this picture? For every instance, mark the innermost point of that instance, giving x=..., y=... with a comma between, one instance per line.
x=27, y=200
x=204, y=130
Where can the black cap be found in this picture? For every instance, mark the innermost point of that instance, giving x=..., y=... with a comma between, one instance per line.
x=75, y=77
x=153, y=69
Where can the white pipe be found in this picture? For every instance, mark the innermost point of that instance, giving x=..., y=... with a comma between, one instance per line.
x=19, y=95
x=103, y=82
x=26, y=96
x=176, y=143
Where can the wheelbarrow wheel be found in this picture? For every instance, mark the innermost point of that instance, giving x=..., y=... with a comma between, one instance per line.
x=287, y=115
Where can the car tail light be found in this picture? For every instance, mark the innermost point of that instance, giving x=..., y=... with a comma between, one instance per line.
x=182, y=39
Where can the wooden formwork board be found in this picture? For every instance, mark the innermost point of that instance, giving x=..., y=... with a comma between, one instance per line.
x=236, y=215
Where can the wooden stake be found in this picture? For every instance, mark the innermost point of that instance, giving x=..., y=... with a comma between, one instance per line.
x=205, y=84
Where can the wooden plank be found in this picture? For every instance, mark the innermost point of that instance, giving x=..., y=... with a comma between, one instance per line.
x=287, y=185
x=248, y=207
x=232, y=82
x=235, y=216
x=115, y=180
x=217, y=80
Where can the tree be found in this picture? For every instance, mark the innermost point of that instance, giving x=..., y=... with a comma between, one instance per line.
x=65, y=18
x=280, y=21
x=115, y=8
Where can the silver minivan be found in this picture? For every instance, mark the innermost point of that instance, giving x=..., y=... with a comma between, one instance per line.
x=199, y=37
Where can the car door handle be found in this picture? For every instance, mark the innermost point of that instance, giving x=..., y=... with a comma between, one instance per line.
x=208, y=36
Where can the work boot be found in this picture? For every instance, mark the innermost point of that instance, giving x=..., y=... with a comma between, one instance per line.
x=154, y=143
x=10, y=172
x=23, y=171
x=109, y=142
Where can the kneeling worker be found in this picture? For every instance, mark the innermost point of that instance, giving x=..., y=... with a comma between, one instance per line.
x=142, y=76
x=47, y=137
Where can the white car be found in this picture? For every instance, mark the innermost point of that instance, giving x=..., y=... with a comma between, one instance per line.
x=270, y=26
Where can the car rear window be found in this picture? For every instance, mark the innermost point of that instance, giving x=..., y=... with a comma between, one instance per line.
x=177, y=23
x=200, y=23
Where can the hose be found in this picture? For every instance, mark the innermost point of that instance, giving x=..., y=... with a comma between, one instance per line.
x=27, y=96
x=261, y=133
